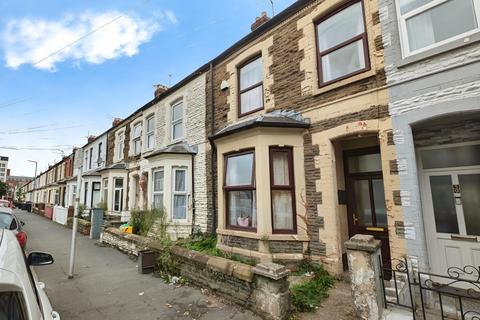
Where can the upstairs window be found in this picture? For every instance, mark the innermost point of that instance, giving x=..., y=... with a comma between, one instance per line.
x=425, y=24
x=342, y=44
x=99, y=155
x=120, y=145
x=90, y=157
x=177, y=121
x=251, y=86
x=240, y=193
x=137, y=138
x=150, y=132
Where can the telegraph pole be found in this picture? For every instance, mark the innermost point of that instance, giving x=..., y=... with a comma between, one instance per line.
x=75, y=213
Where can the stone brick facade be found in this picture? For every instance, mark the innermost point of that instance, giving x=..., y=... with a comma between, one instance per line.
x=348, y=107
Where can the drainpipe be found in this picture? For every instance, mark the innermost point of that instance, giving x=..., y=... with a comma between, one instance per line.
x=193, y=193
x=213, y=153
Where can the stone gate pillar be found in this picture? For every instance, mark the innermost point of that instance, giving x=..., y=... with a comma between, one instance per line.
x=363, y=252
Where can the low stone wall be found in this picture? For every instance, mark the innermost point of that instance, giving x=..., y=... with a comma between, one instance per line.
x=263, y=288
x=83, y=226
x=128, y=243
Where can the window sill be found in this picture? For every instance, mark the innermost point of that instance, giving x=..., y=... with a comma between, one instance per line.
x=341, y=83
x=259, y=236
x=455, y=44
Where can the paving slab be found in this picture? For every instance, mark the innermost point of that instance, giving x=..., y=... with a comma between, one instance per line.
x=107, y=285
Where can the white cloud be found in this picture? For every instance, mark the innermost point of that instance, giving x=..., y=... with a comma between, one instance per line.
x=27, y=41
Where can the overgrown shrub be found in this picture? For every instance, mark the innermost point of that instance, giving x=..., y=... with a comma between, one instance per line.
x=307, y=296
x=142, y=221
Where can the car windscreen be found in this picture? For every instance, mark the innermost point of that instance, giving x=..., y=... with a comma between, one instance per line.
x=7, y=221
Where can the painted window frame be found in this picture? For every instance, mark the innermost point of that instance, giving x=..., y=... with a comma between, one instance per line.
x=226, y=189
x=136, y=139
x=99, y=190
x=175, y=122
x=363, y=36
x=290, y=187
x=99, y=155
x=179, y=192
x=115, y=189
x=158, y=192
x=150, y=134
x=105, y=190
x=120, y=145
x=90, y=158
x=402, y=26
x=254, y=86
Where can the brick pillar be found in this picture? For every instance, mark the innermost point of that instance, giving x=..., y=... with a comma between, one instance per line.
x=271, y=295
x=363, y=252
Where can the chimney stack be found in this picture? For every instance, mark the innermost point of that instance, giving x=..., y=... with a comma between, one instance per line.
x=116, y=122
x=159, y=89
x=91, y=138
x=260, y=21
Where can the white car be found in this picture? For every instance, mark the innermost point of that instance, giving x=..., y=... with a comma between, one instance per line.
x=22, y=296
x=5, y=206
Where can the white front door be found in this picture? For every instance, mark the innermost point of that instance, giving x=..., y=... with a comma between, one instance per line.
x=451, y=199
x=453, y=216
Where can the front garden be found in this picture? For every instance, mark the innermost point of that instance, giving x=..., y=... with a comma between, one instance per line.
x=262, y=287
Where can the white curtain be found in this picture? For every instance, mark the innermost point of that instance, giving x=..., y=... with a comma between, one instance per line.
x=420, y=31
x=282, y=209
x=280, y=169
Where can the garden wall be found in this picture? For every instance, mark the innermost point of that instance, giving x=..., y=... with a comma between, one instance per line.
x=130, y=244
x=263, y=288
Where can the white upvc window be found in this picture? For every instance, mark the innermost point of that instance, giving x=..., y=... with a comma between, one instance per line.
x=426, y=24
x=117, y=194
x=120, y=145
x=137, y=139
x=179, y=194
x=150, y=132
x=177, y=121
x=158, y=179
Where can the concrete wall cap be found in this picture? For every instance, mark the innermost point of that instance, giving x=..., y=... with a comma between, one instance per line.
x=271, y=270
x=363, y=242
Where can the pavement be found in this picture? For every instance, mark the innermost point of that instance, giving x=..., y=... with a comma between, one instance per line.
x=107, y=285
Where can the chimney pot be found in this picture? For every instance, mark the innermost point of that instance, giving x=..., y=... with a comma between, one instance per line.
x=91, y=138
x=116, y=122
x=159, y=89
x=260, y=21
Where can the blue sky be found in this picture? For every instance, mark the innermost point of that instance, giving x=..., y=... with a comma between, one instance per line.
x=53, y=104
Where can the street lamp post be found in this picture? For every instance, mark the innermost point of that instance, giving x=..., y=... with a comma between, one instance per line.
x=76, y=212
x=36, y=165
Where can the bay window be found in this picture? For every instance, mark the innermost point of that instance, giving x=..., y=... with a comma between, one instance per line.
x=282, y=190
x=158, y=178
x=179, y=192
x=239, y=187
x=150, y=132
x=137, y=138
x=118, y=194
x=342, y=44
x=425, y=24
x=177, y=121
x=251, y=86
x=105, y=190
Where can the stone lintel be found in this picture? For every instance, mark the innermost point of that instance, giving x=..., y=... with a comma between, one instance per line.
x=271, y=270
x=363, y=242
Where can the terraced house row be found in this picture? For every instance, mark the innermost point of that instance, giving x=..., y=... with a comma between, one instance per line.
x=330, y=119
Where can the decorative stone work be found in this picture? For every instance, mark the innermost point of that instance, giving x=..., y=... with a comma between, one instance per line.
x=285, y=246
x=240, y=242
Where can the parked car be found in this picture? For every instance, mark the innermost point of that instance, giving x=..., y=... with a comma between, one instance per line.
x=22, y=296
x=6, y=206
x=10, y=222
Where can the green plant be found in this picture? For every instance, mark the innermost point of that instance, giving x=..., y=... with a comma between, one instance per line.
x=80, y=209
x=142, y=221
x=308, y=295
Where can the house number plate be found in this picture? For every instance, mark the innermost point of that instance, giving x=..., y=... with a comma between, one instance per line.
x=456, y=188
